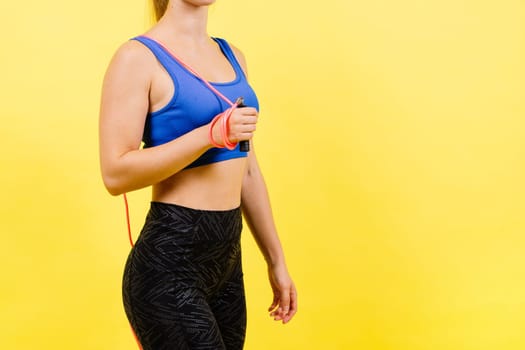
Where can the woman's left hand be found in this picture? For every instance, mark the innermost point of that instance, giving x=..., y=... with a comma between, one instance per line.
x=284, y=305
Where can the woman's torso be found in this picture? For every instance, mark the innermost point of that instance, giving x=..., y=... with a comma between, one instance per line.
x=214, y=184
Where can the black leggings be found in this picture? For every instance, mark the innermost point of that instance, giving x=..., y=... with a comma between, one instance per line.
x=183, y=284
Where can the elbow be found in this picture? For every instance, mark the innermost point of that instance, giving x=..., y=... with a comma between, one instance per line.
x=252, y=174
x=247, y=179
x=114, y=191
x=113, y=185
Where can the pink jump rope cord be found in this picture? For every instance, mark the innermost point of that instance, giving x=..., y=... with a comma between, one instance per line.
x=224, y=117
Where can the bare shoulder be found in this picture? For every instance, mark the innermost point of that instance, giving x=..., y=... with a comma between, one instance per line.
x=132, y=59
x=240, y=57
x=133, y=52
x=126, y=85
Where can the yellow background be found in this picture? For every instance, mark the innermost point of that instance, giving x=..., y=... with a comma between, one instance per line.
x=392, y=140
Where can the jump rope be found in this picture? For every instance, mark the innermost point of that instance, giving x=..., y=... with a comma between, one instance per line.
x=224, y=117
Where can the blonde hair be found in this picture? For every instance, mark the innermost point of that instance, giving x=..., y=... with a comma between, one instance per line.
x=160, y=7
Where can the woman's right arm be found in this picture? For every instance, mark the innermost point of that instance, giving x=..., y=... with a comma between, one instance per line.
x=124, y=106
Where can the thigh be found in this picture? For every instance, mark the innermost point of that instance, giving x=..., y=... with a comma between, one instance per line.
x=162, y=300
x=171, y=318
x=229, y=308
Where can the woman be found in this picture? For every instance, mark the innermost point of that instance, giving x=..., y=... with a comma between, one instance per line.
x=183, y=284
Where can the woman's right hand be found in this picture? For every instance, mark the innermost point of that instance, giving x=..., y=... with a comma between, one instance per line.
x=241, y=126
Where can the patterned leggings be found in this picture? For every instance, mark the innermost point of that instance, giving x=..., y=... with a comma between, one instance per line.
x=183, y=283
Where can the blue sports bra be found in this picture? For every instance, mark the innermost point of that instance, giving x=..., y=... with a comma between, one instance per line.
x=193, y=104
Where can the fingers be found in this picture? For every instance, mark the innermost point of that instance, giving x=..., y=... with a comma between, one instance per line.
x=284, y=305
x=246, y=115
x=246, y=110
x=242, y=124
x=275, y=302
x=293, y=306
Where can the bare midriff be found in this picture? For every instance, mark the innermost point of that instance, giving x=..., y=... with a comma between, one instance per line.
x=216, y=186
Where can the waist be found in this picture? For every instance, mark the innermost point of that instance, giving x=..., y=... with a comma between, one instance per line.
x=215, y=186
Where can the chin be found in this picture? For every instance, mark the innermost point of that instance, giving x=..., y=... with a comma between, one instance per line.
x=199, y=2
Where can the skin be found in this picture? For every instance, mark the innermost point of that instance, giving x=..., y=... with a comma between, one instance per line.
x=135, y=84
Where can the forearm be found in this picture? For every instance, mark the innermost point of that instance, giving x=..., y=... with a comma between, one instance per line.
x=140, y=168
x=258, y=214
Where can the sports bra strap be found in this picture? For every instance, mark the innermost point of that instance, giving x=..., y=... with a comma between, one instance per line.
x=192, y=71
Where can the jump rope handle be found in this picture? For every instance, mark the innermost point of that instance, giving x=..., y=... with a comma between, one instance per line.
x=244, y=146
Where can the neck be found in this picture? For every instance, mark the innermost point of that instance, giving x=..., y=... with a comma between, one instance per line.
x=186, y=22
